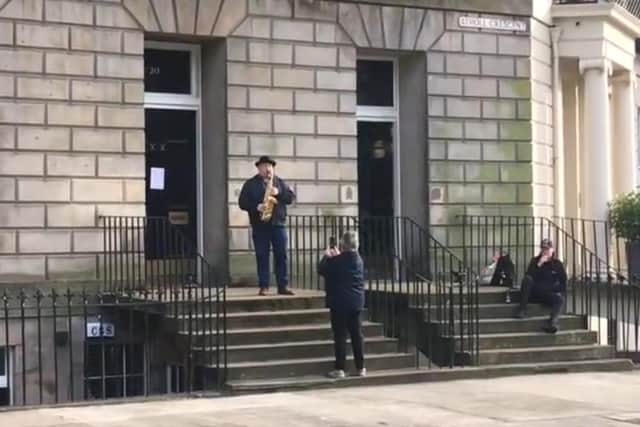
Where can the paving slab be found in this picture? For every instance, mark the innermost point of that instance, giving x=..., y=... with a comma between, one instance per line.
x=567, y=400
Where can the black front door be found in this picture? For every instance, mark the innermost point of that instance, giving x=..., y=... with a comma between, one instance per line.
x=375, y=168
x=171, y=181
x=376, y=196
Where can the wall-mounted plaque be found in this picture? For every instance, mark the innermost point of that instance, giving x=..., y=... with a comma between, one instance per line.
x=179, y=217
x=492, y=23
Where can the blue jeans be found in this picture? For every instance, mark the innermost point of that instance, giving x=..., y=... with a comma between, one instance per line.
x=263, y=239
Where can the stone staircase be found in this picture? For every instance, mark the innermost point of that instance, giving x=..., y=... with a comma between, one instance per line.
x=280, y=343
x=289, y=337
x=504, y=340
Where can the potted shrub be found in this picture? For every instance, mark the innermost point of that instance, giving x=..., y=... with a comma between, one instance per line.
x=624, y=217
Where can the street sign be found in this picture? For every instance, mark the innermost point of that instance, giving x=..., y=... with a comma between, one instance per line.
x=100, y=330
x=492, y=23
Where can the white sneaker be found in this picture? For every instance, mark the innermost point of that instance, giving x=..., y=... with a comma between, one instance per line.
x=337, y=373
x=362, y=372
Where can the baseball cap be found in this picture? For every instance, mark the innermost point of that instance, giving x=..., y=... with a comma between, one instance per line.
x=546, y=243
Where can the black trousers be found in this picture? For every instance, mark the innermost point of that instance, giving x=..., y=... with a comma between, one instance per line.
x=341, y=323
x=529, y=291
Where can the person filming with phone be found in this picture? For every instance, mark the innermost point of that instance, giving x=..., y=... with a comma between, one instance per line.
x=546, y=283
x=343, y=270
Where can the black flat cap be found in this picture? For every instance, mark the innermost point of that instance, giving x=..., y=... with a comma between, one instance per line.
x=265, y=159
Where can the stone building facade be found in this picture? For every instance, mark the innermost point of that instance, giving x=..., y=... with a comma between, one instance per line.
x=473, y=114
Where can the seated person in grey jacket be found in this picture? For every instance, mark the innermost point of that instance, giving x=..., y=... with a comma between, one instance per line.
x=343, y=271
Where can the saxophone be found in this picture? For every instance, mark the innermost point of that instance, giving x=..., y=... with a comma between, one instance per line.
x=268, y=201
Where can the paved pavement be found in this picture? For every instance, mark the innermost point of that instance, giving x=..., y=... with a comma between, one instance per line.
x=584, y=400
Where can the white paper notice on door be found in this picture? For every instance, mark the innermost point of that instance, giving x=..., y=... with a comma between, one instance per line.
x=157, y=179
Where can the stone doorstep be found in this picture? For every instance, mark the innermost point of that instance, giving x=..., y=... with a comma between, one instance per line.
x=529, y=324
x=289, y=334
x=258, y=353
x=535, y=339
x=409, y=376
x=296, y=368
x=257, y=319
x=565, y=353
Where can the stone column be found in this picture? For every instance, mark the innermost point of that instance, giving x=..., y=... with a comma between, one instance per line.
x=623, y=146
x=558, y=135
x=571, y=122
x=596, y=167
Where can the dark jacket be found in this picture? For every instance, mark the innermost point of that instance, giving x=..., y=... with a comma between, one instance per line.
x=550, y=276
x=344, y=279
x=252, y=195
x=505, y=271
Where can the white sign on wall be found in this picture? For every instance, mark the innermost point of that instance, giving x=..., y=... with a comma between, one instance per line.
x=492, y=23
x=156, y=181
x=100, y=330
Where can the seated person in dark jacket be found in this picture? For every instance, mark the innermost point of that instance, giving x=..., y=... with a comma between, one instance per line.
x=545, y=282
x=343, y=271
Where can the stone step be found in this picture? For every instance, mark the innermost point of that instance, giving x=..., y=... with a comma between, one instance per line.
x=545, y=354
x=288, y=333
x=530, y=324
x=492, y=311
x=257, y=304
x=313, y=366
x=536, y=339
x=408, y=376
x=485, y=294
x=256, y=319
x=492, y=295
x=302, y=350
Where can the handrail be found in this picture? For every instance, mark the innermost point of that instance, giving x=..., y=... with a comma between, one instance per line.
x=609, y=303
x=631, y=6
x=558, y=230
x=143, y=221
x=401, y=259
x=583, y=245
x=152, y=258
x=437, y=242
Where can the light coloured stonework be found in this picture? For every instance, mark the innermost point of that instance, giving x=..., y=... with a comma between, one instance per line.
x=479, y=125
x=72, y=115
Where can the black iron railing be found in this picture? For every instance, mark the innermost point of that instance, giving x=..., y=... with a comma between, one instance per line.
x=599, y=237
x=151, y=256
x=520, y=236
x=595, y=288
x=417, y=288
x=150, y=253
x=632, y=6
x=60, y=347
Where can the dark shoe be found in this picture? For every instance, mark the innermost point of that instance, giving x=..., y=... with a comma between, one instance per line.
x=520, y=314
x=285, y=292
x=550, y=329
x=263, y=292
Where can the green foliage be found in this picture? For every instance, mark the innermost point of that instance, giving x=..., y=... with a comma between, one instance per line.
x=624, y=216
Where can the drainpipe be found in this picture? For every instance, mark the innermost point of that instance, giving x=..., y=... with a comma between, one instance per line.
x=558, y=128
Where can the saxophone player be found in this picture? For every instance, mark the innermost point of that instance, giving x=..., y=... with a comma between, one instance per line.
x=265, y=198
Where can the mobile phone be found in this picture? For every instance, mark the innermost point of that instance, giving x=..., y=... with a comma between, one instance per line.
x=332, y=242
